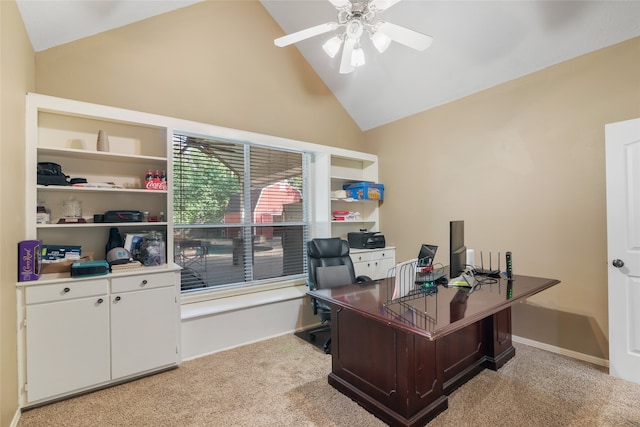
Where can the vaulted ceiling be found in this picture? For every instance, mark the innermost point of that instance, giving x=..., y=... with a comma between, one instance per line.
x=477, y=44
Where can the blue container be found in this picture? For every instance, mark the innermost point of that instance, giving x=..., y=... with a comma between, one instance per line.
x=364, y=191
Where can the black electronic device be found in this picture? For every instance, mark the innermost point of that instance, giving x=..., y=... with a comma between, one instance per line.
x=123, y=216
x=457, y=249
x=490, y=272
x=366, y=240
x=429, y=277
x=509, y=266
x=509, y=289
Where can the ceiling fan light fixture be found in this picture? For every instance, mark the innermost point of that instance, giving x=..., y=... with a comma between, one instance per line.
x=332, y=46
x=355, y=17
x=381, y=41
x=357, y=57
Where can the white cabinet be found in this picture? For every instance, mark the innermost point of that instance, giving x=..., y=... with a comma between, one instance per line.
x=374, y=263
x=143, y=323
x=68, y=337
x=82, y=334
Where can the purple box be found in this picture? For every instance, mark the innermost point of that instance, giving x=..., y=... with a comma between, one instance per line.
x=29, y=260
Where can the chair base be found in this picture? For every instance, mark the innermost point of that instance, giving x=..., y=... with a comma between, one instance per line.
x=326, y=346
x=311, y=335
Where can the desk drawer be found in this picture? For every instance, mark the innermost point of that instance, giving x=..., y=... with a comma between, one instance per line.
x=66, y=291
x=142, y=281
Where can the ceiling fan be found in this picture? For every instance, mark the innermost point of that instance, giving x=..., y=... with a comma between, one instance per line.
x=357, y=17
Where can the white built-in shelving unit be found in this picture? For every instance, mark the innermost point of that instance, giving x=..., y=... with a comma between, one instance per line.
x=77, y=334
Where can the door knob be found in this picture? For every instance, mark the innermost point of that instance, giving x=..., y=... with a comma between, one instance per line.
x=618, y=263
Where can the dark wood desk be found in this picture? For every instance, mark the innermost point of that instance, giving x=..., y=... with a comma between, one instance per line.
x=400, y=361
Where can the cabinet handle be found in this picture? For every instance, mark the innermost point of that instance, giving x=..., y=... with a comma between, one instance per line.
x=66, y=290
x=100, y=300
x=118, y=298
x=144, y=282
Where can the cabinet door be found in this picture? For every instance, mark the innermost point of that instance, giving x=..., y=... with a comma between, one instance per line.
x=361, y=263
x=382, y=262
x=67, y=346
x=144, y=327
x=362, y=269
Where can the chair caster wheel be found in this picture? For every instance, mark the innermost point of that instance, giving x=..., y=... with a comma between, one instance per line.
x=327, y=350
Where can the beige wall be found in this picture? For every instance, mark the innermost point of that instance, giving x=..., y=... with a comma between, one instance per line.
x=16, y=78
x=213, y=62
x=523, y=164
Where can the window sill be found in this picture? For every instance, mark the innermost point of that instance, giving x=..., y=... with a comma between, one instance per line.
x=194, y=306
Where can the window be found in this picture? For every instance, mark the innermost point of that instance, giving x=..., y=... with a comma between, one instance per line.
x=239, y=212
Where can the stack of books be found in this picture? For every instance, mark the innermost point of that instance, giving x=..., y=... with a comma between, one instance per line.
x=128, y=266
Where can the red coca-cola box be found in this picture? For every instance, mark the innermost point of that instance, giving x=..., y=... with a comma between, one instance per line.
x=156, y=184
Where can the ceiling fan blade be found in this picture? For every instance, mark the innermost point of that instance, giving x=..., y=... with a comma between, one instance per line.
x=405, y=36
x=305, y=34
x=339, y=4
x=347, y=52
x=380, y=5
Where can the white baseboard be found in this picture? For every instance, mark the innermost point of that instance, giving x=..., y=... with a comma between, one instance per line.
x=562, y=351
x=16, y=418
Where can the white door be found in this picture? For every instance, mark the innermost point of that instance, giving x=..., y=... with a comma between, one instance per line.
x=67, y=346
x=143, y=331
x=623, y=241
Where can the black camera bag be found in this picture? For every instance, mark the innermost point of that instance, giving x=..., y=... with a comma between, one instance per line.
x=51, y=174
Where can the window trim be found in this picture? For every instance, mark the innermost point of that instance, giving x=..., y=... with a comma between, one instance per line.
x=253, y=285
x=320, y=167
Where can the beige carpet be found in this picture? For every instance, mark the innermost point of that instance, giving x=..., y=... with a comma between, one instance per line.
x=283, y=382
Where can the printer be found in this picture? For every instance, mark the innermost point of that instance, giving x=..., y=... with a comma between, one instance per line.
x=365, y=240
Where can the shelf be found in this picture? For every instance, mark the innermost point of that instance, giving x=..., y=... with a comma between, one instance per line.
x=353, y=221
x=50, y=278
x=350, y=200
x=103, y=224
x=70, y=188
x=93, y=155
x=348, y=179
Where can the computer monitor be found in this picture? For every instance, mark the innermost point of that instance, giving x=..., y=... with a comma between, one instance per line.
x=457, y=249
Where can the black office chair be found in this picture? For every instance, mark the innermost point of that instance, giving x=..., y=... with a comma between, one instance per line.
x=329, y=266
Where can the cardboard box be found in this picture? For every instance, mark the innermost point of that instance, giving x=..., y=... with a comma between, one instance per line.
x=62, y=266
x=364, y=191
x=29, y=260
